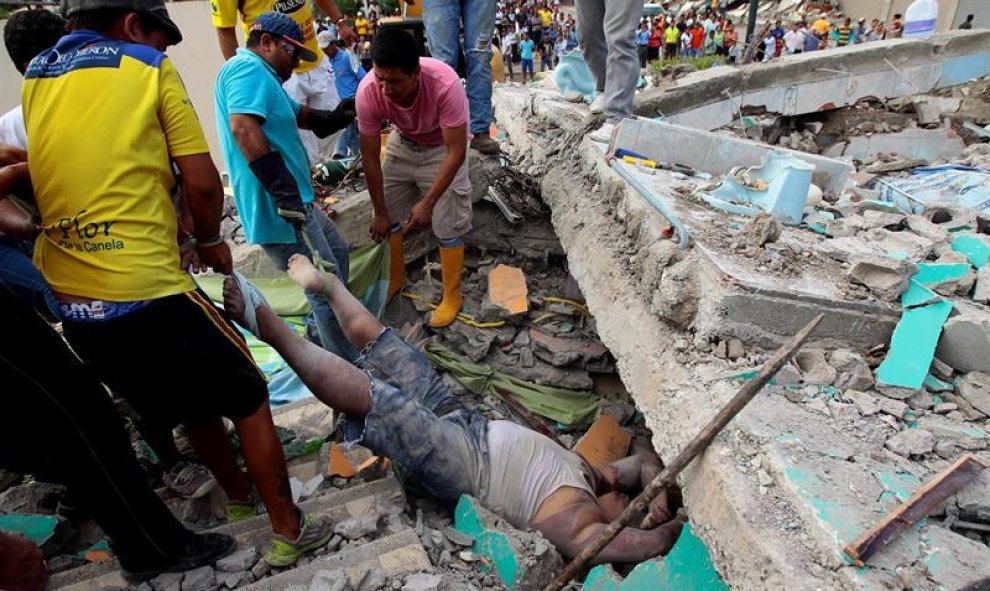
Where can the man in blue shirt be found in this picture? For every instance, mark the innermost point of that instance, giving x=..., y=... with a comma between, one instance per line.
x=526, y=56
x=642, y=43
x=257, y=124
x=346, y=79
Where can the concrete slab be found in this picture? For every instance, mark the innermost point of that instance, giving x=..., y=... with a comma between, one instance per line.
x=926, y=144
x=765, y=522
x=717, y=153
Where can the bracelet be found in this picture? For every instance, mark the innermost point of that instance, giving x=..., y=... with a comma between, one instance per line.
x=215, y=241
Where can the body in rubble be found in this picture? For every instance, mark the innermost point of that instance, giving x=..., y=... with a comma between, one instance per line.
x=397, y=405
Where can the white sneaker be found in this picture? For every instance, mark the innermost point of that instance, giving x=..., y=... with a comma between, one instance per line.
x=598, y=105
x=603, y=134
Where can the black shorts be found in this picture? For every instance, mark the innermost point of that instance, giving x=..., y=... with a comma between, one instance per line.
x=179, y=359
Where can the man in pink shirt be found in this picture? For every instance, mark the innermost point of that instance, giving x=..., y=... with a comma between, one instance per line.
x=423, y=180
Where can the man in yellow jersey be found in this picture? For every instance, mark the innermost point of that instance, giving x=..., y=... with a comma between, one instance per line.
x=309, y=85
x=107, y=115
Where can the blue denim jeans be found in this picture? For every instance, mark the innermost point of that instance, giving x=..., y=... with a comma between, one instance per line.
x=416, y=422
x=443, y=19
x=325, y=238
x=349, y=142
x=23, y=278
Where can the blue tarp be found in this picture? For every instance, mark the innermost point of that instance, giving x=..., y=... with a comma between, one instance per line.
x=949, y=185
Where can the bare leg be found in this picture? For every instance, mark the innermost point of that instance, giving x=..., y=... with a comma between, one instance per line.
x=210, y=441
x=337, y=383
x=266, y=464
x=360, y=325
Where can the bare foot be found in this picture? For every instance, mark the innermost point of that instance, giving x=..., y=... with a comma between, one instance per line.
x=233, y=300
x=302, y=271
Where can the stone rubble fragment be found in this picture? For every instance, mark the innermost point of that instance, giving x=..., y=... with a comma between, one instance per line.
x=853, y=370
x=974, y=388
x=238, y=561
x=965, y=342
x=814, y=368
x=911, y=442
x=200, y=579
x=885, y=277
x=357, y=527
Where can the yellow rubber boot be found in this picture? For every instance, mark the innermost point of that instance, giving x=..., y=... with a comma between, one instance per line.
x=397, y=271
x=451, y=266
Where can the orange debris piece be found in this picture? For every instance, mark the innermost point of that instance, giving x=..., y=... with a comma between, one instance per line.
x=97, y=556
x=507, y=289
x=369, y=463
x=604, y=443
x=339, y=465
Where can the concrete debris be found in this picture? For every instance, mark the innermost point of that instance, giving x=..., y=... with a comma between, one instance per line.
x=200, y=579
x=854, y=373
x=981, y=293
x=168, y=582
x=425, y=582
x=965, y=341
x=357, y=527
x=330, y=580
x=973, y=500
x=762, y=229
x=974, y=388
x=885, y=277
x=867, y=404
x=814, y=368
x=238, y=561
x=235, y=580
x=911, y=442
x=961, y=434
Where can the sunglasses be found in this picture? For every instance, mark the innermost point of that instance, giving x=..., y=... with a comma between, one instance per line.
x=290, y=49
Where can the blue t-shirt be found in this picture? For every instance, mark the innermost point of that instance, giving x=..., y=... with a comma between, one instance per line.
x=643, y=38
x=526, y=49
x=345, y=78
x=247, y=85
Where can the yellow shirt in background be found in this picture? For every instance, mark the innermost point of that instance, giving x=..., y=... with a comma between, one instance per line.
x=225, y=16
x=361, y=25
x=546, y=16
x=105, y=118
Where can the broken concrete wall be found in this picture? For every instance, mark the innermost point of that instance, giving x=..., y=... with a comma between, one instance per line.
x=821, y=80
x=781, y=491
x=716, y=153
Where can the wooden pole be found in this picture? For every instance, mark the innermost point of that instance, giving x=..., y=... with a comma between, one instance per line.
x=697, y=445
x=921, y=503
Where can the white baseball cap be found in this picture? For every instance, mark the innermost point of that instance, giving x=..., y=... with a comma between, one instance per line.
x=325, y=38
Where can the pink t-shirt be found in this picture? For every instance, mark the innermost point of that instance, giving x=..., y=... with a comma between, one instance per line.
x=440, y=103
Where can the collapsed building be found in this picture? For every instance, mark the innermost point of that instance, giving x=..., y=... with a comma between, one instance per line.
x=650, y=293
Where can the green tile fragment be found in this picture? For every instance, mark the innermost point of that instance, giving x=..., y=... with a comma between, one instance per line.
x=37, y=528
x=493, y=545
x=912, y=347
x=688, y=566
x=934, y=384
x=975, y=248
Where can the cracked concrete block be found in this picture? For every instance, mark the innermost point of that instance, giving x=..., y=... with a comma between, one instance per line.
x=894, y=408
x=238, y=561
x=762, y=229
x=854, y=372
x=974, y=388
x=200, y=579
x=947, y=551
x=981, y=293
x=676, y=301
x=911, y=442
x=814, y=367
x=885, y=277
x=965, y=341
x=962, y=434
x=867, y=404
x=973, y=499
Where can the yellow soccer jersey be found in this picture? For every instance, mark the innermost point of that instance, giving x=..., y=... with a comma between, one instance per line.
x=105, y=117
x=225, y=16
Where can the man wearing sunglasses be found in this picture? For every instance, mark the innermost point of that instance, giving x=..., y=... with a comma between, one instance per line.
x=258, y=123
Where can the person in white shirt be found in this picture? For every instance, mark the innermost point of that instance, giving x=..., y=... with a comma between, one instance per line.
x=794, y=39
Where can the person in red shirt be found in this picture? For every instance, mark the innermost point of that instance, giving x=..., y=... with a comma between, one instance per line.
x=653, y=46
x=697, y=39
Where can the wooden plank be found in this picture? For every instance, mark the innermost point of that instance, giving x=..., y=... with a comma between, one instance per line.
x=921, y=503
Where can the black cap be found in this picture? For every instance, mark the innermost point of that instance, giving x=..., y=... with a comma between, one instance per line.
x=155, y=8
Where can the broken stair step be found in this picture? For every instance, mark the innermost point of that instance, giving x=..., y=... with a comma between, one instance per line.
x=350, y=502
x=391, y=555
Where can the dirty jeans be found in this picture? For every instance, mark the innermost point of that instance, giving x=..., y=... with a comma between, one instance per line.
x=609, y=46
x=443, y=19
x=349, y=142
x=416, y=422
x=59, y=423
x=22, y=277
x=331, y=246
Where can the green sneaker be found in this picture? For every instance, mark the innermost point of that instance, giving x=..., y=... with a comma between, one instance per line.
x=314, y=532
x=242, y=510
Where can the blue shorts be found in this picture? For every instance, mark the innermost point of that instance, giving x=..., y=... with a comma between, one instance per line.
x=446, y=454
x=527, y=65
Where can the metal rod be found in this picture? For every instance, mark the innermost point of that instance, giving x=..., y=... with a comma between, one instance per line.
x=682, y=232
